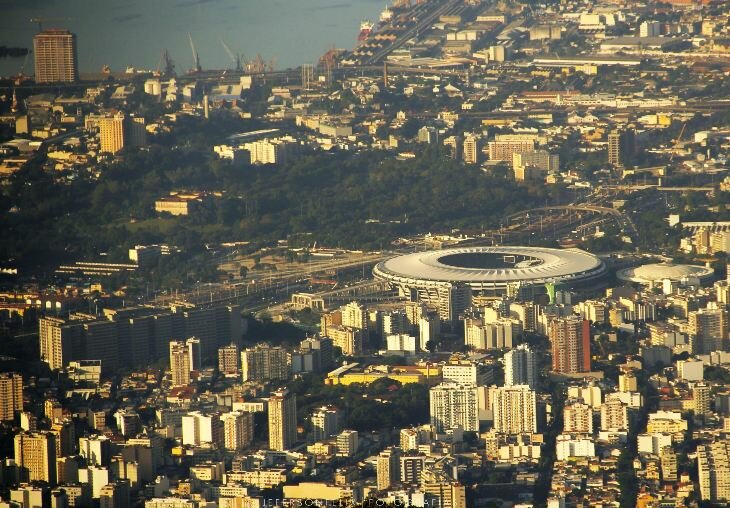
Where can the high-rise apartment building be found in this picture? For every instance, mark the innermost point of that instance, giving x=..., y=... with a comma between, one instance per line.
x=627, y=382
x=26, y=495
x=347, y=443
x=454, y=406
x=590, y=393
x=228, y=357
x=577, y=418
x=202, y=428
x=701, y=397
x=354, y=315
x=313, y=355
x=505, y=145
x=270, y=151
x=414, y=311
x=128, y=422
x=614, y=416
x=411, y=467
x=265, y=363
x=55, y=56
x=534, y=163
x=111, y=133
x=348, y=339
x=571, y=347
x=325, y=422
x=387, y=468
x=115, y=495
x=394, y=322
x=59, y=340
x=621, y=147
x=35, y=456
x=237, y=430
x=498, y=334
x=707, y=330
x=65, y=437
x=118, y=131
x=467, y=372
x=282, y=420
x=472, y=150
x=411, y=438
x=525, y=313
x=96, y=449
x=445, y=492
x=515, y=410
x=521, y=367
x=11, y=395
x=429, y=328
x=195, y=353
x=182, y=355
x=713, y=464
x=668, y=463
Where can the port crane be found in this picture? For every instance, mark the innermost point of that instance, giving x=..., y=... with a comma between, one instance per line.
x=196, y=58
x=166, y=64
x=235, y=58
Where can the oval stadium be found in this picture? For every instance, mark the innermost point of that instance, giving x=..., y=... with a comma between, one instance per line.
x=657, y=272
x=488, y=271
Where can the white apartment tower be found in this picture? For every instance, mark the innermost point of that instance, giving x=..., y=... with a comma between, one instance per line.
x=713, y=463
x=325, y=422
x=520, y=367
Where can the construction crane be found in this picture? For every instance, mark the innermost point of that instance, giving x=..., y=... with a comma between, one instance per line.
x=676, y=142
x=40, y=21
x=235, y=58
x=196, y=58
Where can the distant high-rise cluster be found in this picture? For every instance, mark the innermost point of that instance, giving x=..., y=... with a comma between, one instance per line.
x=136, y=335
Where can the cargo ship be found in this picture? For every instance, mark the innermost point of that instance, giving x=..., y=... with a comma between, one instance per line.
x=366, y=28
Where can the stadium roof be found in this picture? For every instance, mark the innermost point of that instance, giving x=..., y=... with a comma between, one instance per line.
x=503, y=264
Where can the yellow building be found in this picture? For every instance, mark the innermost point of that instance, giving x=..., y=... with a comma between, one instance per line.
x=118, y=131
x=322, y=449
x=348, y=339
x=370, y=377
x=666, y=422
x=318, y=491
x=35, y=456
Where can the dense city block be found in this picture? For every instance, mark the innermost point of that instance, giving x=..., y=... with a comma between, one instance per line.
x=479, y=258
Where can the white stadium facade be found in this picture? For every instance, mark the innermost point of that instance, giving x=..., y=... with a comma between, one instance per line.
x=448, y=278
